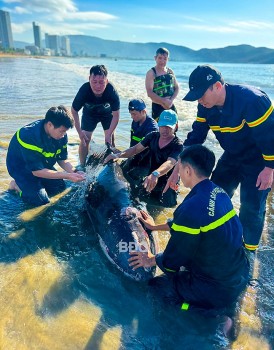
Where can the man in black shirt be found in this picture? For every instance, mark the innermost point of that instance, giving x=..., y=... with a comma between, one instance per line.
x=101, y=104
x=165, y=148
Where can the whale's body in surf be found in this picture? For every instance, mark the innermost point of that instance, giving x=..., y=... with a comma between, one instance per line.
x=115, y=219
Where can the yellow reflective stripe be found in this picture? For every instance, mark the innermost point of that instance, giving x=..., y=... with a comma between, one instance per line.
x=201, y=120
x=35, y=148
x=169, y=270
x=219, y=222
x=228, y=128
x=137, y=138
x=27, y=145
x=185, y=306
x=268, y=157
x=261, y=119
x=251, y=247
x=192, y=231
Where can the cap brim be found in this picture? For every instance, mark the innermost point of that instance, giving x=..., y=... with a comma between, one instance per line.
x=194, y=95
x=170, y=126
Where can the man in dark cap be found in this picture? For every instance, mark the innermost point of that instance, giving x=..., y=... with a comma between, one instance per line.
x=142, y=124
x=242, y=119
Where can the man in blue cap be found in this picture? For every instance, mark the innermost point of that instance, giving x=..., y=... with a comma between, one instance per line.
x=142, y=124
x=165, y=148
x=242, y=119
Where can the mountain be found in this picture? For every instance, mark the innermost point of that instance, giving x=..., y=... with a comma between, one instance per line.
x=83, y=45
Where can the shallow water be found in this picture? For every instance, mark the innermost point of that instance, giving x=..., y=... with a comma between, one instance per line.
x=57, y=289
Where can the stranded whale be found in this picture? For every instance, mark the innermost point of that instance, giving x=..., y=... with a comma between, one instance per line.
x=114, y=216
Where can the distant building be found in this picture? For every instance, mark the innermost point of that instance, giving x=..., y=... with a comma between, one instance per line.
x=53, y=43
x=37, y=35
x=65, y=46
x=6, y=40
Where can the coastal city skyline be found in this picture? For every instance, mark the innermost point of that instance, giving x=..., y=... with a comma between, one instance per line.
x=192, y=24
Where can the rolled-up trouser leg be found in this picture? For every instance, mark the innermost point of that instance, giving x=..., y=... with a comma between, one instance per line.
x=252, y=212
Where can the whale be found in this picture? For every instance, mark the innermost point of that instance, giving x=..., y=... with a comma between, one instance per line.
x=114, y=216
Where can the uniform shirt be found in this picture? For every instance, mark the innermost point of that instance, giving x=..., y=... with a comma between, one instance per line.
x=96, y=106
x=206, y=238
x=160, y=155
x=31, y=149
x=243, y=126
x=138, y=132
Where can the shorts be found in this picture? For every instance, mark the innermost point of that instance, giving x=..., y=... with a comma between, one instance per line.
x=89, y=123
x=158, y=109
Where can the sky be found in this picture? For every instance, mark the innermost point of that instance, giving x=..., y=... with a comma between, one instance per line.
x=195, y=24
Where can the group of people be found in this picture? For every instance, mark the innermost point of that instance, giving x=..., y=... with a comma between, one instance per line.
x=207, y=237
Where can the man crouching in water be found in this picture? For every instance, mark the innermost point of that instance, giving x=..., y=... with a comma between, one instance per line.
x=206, y=239
x=33, y=151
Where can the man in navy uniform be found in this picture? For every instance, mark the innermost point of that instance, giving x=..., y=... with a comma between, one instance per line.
x=33, y=152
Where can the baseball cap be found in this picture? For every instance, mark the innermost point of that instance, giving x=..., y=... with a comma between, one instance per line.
x=168, y=118
x=200, y=80
x=136, y=104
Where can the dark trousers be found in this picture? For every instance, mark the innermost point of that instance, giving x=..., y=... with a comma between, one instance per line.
x=231, y=172
x=36, y=190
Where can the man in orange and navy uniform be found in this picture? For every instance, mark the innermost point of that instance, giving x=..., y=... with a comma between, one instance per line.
x=242, y=119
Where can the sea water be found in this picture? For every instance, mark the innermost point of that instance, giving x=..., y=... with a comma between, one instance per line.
x=57, y=289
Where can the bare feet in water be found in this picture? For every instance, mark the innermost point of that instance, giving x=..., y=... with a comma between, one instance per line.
x=14, y=187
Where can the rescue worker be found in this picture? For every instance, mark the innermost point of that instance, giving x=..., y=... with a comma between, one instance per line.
x=33, y=152
x=204, y=262
x=242, y=119
x=142, y=124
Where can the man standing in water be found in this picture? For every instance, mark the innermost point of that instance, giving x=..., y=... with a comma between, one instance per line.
x=161, y=84
x=242, y=119
x=33, y=152
x=101, y=104
x=206, y=239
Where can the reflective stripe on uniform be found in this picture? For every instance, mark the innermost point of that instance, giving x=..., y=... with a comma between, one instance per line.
x=251, y=247
x=36, y=148
x=201, y=120
x=268, y=157
x=219, y=222
x=185, y=306
x=261, y=119
x=211, y=226
x=138, y=139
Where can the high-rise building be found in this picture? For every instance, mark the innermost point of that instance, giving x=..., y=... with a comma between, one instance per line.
x=6, y=40
x=37, y=35
x=53, y=43
x=65, y=45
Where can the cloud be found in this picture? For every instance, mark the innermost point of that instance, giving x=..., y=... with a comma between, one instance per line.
x=20, y=28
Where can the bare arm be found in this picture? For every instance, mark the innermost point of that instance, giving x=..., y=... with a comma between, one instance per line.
x=151, y=180
x=76, y=118
x=113, y=125
x=128, y=153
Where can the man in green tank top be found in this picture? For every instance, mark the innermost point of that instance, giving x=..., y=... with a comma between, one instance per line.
x=161, y=84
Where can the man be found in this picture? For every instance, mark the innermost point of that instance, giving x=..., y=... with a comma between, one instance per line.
x=242, y=119
x=141, y=125
x=206, y=239
x=161, y=84
x=101, y=104
x=165, y=148
x=32, y=153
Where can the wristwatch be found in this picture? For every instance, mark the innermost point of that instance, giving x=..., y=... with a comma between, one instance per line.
x=156, y=173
